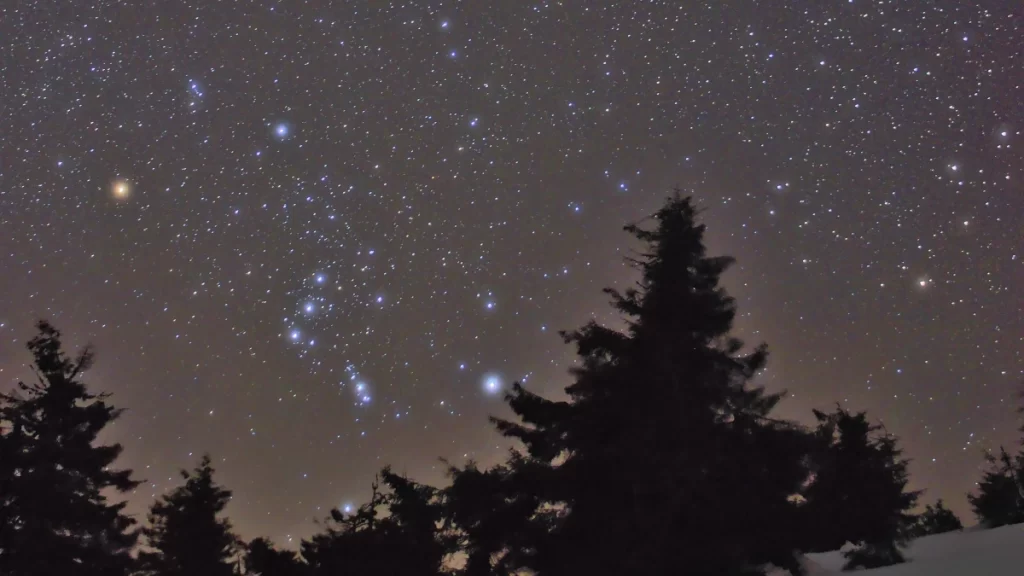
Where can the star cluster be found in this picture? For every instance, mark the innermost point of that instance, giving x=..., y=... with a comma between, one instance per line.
x=314, y=239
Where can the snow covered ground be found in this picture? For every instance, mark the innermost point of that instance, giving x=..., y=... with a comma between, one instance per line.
x=998, y=552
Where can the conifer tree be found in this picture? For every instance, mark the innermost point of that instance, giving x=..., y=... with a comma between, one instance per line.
x=936, y=520
x=263, y=559
x=55, y=479
x=999, y=500
x=398, y=532
x=1000, y=497
x=349, y=543
x=664, y=458
x=186, y=535
x=491, y=517
x=859, y=492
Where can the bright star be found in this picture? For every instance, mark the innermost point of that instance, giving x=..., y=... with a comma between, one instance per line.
x=281, y=130
x=295, y=335
x=492, y=384
x=121, y=189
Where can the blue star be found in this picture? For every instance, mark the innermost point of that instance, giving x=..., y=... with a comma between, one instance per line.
x=492, y=384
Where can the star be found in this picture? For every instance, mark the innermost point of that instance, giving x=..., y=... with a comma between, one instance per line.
x=492, y=384
x=121, y=189
x=227, y=204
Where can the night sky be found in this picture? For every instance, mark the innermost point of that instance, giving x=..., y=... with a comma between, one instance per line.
x=314, y=238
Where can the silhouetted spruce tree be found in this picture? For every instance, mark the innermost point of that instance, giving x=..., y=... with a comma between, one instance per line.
x=1000, y=497
x=263, y=559
x=349, y=544
x=399, y=532
x=859, y=492
x=664, y=459
x=936, y=520
x=55, y=516
x=999, y=500
x=492, y=517
x=186, y=535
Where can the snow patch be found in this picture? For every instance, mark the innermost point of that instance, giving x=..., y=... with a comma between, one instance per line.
x=972, y=552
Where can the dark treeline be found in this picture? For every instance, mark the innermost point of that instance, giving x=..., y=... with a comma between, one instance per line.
x=665, y=458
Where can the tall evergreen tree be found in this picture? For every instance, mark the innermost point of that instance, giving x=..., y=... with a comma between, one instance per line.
x=859, y=493
x=186, y=535
x=55, y=479
x=999, y=500
x=492, y=517
x=936, y=520
x=397, y=533
x=1000, y=497
x=263, y=559
x=664, y=458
